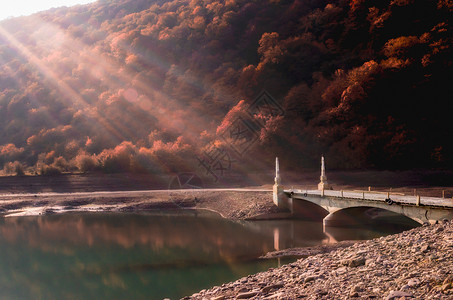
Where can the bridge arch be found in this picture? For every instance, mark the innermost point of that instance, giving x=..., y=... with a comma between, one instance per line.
x=370, y=215
x=335, y=204
x=308, y=210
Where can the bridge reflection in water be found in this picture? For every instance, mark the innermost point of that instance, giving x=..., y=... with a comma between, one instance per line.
x=303, y=233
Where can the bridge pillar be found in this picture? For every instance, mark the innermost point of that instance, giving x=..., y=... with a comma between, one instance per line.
x=279, y=197
x=323, y=185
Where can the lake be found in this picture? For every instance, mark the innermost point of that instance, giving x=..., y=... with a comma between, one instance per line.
x=144, y=256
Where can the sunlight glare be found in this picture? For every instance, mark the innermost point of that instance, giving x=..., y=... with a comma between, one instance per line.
x=27, y=7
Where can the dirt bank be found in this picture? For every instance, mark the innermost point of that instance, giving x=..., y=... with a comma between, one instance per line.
x=229, y=204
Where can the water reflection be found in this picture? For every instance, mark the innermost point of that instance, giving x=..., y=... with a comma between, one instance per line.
x=289, y=233
x=362, y=223
x=163, y=235
x=364, y=231
x=138, y=256
x=125, y=256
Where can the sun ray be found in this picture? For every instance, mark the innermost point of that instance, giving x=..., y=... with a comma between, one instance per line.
x=170, y=113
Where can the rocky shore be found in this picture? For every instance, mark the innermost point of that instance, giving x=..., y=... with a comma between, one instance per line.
x=416, y=264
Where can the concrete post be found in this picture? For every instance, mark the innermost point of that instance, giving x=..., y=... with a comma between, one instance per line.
x=277, y=172
x=363, y=195
x=323, y=169
x=279, y=197
x=443, y=194
x=418, y=200
x=342, y=194
x=323, y=183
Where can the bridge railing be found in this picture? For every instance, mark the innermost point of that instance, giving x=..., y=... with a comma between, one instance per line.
x=379, y=196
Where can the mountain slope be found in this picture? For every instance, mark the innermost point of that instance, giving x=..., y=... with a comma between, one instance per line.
x=158, y=86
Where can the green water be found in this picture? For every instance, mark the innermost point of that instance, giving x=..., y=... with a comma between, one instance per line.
x=139, y=256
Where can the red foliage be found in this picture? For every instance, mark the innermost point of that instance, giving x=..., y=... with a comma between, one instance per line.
x=133, y=85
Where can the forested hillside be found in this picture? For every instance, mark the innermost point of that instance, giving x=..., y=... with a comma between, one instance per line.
x=161, y=86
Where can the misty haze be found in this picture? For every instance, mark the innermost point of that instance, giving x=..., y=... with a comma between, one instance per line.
x=116, y=112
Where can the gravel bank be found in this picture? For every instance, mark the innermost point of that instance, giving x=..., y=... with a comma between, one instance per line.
x=414, y=264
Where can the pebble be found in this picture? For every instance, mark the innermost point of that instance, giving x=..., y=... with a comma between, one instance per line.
x=413, y=282
x=269, y=288
x=356, y=262
x=448, y=279
x=246, y=295
x=310, y=278
x=275, y=296
x=398, y=294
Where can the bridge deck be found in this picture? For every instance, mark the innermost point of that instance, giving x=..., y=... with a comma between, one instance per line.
x=379, y=196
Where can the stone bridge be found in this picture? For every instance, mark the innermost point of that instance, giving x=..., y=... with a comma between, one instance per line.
x=419, y=209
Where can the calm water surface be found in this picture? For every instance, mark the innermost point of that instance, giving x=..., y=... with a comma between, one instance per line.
x=143, y=256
